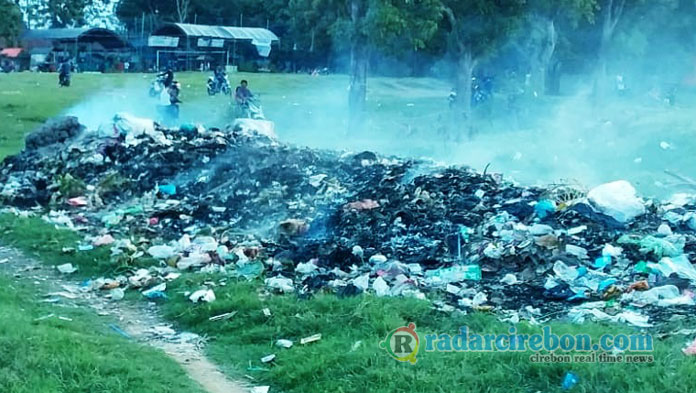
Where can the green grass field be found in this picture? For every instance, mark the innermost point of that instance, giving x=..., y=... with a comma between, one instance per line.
x=76, y=354
x=337, y=362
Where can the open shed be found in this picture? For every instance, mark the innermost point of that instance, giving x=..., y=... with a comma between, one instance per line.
x=94, y=49
x=188, y=43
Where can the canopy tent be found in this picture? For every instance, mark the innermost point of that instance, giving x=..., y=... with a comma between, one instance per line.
x=11, y=52
x=215, y=36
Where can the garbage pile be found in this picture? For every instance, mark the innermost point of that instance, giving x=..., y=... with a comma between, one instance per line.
x=239, y=202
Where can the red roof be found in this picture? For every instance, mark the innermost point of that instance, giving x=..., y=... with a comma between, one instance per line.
x=11, y=52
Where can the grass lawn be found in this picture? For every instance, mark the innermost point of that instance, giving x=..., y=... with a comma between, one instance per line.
x=74, y=356
x=337, y=362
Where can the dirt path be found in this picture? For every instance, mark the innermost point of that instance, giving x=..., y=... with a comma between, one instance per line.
x=136, y=320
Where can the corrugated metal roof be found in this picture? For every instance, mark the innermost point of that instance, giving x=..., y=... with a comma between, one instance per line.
x=55, y=34
x=257, y=34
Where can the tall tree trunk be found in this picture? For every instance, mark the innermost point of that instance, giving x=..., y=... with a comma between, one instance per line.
x=612, y=11
x=358, y=83
x=359, y=55
x=547, y=53
x=554, y=78
x=465, y=71
x=182, y=10
x=540, y=57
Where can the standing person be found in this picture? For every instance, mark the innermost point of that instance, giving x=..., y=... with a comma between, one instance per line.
x=168, y=107
x=64, y=73
x=168, y=77
x=174, y=101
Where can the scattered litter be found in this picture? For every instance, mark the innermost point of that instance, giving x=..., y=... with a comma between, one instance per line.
x=157, y=292
x=223, y=317
x=617, y=200
x=280, y=283
x=66, y=268
x=78, y=201
x=103, y=241
x=203, y=295
x=241, y=204
x=690, y=350
x=509, y=279
x=117, y=294
x=569, y=381
x=282, y=343
x=119, y=330
x=311, y=339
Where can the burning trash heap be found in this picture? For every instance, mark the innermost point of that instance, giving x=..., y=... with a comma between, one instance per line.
x=237, y=202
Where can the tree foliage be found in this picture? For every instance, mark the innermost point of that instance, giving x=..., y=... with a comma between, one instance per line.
x=56, y=13
x=67, y=13
x=10, y=22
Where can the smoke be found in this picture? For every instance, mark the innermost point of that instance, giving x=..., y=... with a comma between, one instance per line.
x=634, y=134
x=133, y=97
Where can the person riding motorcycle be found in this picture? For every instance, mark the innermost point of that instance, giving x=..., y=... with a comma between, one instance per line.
x=220, y=76
x=218, y=83
x=242, y=95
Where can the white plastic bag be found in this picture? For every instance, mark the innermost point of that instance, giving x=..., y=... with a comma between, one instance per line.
x=618, y=200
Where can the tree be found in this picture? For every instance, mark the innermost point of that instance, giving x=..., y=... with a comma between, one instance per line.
x=368, y=25
x=10, y=22
x=543, y=33
x=35, y=13
x=476, y=29
x=102, y=13
x=182, y=10
x=611, y=13
x=55, y=13
x=67, y=13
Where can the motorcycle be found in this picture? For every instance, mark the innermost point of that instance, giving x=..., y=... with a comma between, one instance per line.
x=218, y=86
x=157, y=86
x=251, y=109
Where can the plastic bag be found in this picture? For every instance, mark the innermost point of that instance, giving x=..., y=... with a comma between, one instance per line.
x=618, y=200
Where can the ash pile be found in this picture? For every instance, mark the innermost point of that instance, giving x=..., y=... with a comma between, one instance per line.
x=239, y=203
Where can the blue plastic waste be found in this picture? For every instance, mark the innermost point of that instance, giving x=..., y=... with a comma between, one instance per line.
x=602, y=262
x=168, y=189
x=606, y=284
x=569, y=381
x=155, y=295
x=544, y=207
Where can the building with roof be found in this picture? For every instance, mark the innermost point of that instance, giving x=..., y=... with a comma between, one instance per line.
x=13, y=59
x=189, y=46
x=93, y=49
